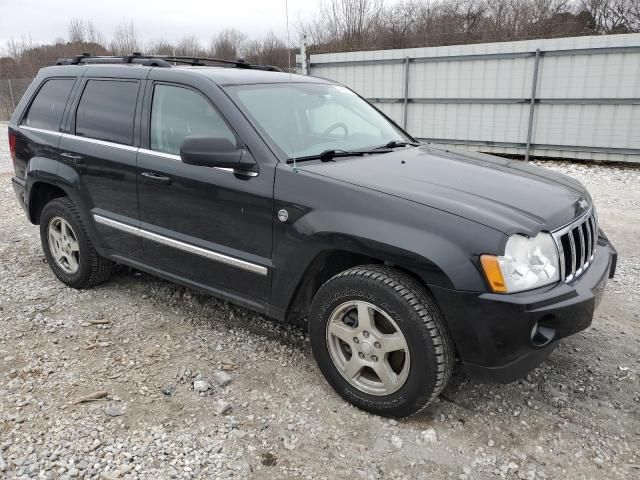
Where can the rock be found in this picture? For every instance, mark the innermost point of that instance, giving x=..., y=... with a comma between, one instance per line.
x=201, y=386
x=221, y=407
x=222, y=378
x=396, y=441
x=290, y=442
x=429, y=436
x=168, y=390
x=114, y=410
x=3, y=466
x=268, y=459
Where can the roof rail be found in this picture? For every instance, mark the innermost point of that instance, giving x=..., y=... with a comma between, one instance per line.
x=161, y=61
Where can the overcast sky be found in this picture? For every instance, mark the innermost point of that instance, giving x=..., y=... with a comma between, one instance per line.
x=46, y=20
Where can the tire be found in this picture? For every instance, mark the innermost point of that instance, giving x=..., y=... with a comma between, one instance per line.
x=392, y=302
x=80, y=266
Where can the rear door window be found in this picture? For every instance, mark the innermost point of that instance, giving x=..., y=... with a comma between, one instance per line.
x=47, y=108
x=107, y=109
x=178, y=112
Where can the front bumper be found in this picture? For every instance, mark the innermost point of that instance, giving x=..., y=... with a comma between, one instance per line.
x=494, y=332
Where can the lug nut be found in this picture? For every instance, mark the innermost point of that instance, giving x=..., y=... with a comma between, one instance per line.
x=361, y=355
x=365, y=334
x=377, y=344
x=355, y=340
x=374, y=358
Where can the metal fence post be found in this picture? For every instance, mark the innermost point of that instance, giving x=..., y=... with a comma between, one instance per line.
x=532, y=105
x=406, y=93
x=13, y=103
x=303, y=56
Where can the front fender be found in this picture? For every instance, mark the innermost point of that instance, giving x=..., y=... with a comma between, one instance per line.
x=324, y=215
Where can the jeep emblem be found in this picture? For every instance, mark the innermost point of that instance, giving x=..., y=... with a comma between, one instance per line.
x=283, y=215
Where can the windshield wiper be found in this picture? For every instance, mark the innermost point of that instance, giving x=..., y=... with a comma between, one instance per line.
x=329, y=155
x=395, y=143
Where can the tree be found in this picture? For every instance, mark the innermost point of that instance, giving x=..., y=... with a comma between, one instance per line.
x=125, y=40
x=227, y=44
x=84, y=31
x=160, y=47
x=189, y=46
x=345, y=24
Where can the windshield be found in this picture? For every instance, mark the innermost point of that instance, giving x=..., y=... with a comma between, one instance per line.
x=306, y=119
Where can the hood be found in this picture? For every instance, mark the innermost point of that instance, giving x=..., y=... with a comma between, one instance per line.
x=508, y=195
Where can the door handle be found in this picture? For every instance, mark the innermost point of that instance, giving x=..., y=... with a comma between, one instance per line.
x=156, y=177
x=72, y=157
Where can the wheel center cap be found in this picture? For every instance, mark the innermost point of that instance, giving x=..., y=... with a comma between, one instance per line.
x=366, y=348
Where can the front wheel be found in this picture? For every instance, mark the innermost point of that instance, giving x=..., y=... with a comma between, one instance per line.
x=380, y=340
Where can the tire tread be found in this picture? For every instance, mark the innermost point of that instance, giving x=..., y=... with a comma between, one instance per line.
x=420, y=301
x=100, y=268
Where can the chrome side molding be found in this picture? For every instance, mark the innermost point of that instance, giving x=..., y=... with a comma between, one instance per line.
x=185, y=247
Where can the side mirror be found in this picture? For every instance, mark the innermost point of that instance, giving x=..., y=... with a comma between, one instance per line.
x=215, y=152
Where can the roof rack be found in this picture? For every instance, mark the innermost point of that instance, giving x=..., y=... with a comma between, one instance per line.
x=162, y=61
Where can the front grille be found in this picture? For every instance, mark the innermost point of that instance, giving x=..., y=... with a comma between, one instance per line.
x=577, y=246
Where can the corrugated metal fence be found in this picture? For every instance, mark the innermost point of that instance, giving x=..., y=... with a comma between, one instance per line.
x=575, y=98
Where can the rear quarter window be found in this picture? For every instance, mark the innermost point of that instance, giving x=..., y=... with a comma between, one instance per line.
x=107, y=109
x=48, y=105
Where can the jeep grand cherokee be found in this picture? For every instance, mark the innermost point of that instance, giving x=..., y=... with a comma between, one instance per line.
x=296, y=198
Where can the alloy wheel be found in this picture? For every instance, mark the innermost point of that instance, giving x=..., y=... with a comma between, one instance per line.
x=368, y=348
x=63, y=245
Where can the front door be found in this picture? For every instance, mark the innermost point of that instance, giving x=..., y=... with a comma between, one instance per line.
x=208, y=225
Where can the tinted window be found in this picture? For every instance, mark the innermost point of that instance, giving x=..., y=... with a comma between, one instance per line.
x=106, y=110
x=179, y=112
x=48, y=106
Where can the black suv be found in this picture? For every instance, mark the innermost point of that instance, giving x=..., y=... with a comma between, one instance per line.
x=294, y=197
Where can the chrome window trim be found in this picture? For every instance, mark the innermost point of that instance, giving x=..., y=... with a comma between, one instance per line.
x=155, y=153
x=39, y=130
x=186, y=247
x=176, y=158
x=130, y=148
x=104, y=143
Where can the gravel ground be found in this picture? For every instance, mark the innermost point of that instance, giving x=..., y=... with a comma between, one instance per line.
x=191, y=387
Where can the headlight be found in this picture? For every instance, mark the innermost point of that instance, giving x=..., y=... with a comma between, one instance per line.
x=527, y=263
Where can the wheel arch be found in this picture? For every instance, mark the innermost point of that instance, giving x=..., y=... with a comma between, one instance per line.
x=48, y=179
x=330, y=262
x=40, y=194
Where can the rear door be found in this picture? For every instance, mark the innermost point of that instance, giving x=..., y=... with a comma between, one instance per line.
x=100, y=145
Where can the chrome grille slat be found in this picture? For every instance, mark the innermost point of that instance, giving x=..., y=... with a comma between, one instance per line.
x=595, y=235
x=572, y=259
x=588, y=237
x=577, y=243
x=583, y=257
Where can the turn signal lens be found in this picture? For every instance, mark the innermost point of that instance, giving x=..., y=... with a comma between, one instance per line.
x=493, y=273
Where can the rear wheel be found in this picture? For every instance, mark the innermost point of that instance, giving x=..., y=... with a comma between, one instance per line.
x=67, y=247
x=380, y=340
